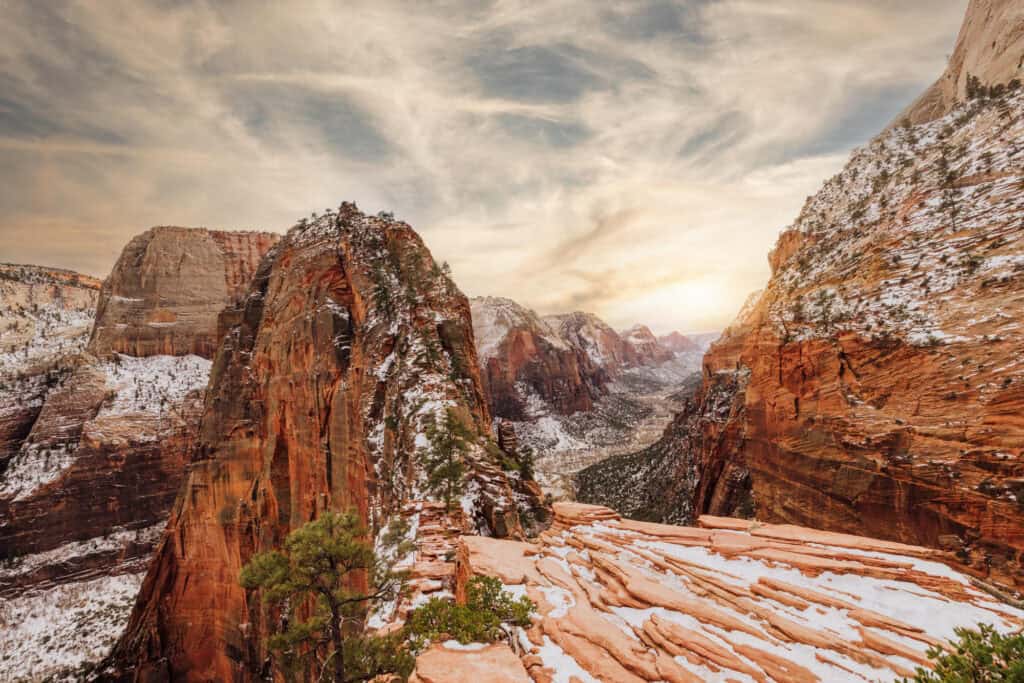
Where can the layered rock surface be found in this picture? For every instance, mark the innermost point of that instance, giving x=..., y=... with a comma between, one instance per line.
x=525, y=360
x=876, y=385
x=628, y=601
x=349, y=343
x=46, y=315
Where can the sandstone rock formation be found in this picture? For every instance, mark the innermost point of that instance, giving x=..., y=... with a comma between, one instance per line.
x=348, y=344
x=628, y=601
x=96, y=465
x=678, y=343
x=875, y=386
x=46, y=315
x=168, y=287
x=990, y=48
x=525, y=360
x=643, y=348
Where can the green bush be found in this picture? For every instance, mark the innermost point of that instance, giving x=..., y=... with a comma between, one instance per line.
x=480, y=620
x=979, y=656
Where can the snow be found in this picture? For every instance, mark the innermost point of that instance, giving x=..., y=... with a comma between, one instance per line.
x=53, y=633
x=151, y=384
x=463, y=647
x=114, y=541
x=565, y=668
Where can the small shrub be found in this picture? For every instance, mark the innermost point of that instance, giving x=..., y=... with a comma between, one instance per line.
x=981, y=655
x=488, y=607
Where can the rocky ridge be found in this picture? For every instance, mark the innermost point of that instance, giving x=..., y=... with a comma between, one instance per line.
x=620, y=600
x=875, y=386
x=95, y=471
x=349, y=344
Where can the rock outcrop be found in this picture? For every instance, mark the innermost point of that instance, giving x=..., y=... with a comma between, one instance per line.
x=620, y=600
x=46, y=315
x=525, y=360
x=876, y=386
x=95, y=468
x=349, y=344
x=643, y=348
x=678, y=343
x=990, y=48
x=168, y=287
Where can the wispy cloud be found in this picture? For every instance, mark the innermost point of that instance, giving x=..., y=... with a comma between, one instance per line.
x=633, y=157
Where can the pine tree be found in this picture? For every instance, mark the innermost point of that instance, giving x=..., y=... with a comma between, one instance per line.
x=317, y=584
x=445, y=464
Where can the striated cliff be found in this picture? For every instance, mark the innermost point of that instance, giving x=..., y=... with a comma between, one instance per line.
x=876, y=385
x=46, y=315
x=166, y=290
x=96, y=465
x=643, y=348
x=349, y=342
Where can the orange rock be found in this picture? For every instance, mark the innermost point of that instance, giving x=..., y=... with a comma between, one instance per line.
x=495, y=663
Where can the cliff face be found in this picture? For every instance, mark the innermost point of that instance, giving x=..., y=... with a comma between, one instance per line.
x=990, y=48
x=678, y=343
x=876, y=386
x=96, y=464
x=643, y=348
x=524, y=359
x=45, y=317
x=168, y=287
x=349, y=342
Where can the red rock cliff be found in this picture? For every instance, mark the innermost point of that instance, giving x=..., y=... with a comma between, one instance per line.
x=349, y=341
x=524, y=357
x=876, y=386
x=96, y=447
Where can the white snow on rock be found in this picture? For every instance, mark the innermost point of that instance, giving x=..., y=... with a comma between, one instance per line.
x=55, y=632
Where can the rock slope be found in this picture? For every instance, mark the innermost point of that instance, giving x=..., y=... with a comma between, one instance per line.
x=572, y=390
x=627, y=601
x=876, y=385
x=349, y=343
x=46, y=315
x=94, y=473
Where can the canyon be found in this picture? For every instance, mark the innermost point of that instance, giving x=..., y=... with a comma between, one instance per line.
x=574, y=391
x=350, y=344
x=875, y=386
x=822, y=492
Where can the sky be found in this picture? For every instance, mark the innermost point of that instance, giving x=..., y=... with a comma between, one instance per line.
x=632, y=158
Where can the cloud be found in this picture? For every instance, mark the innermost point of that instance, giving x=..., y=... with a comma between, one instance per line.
x=633, y=157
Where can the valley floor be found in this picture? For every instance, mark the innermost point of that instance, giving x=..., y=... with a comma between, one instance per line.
x=633, y=416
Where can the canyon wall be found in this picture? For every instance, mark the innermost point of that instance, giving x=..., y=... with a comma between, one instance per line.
x=350, y=342
x=525, y=359
x=95, y=465
x=990, y=48
x=876, y=386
